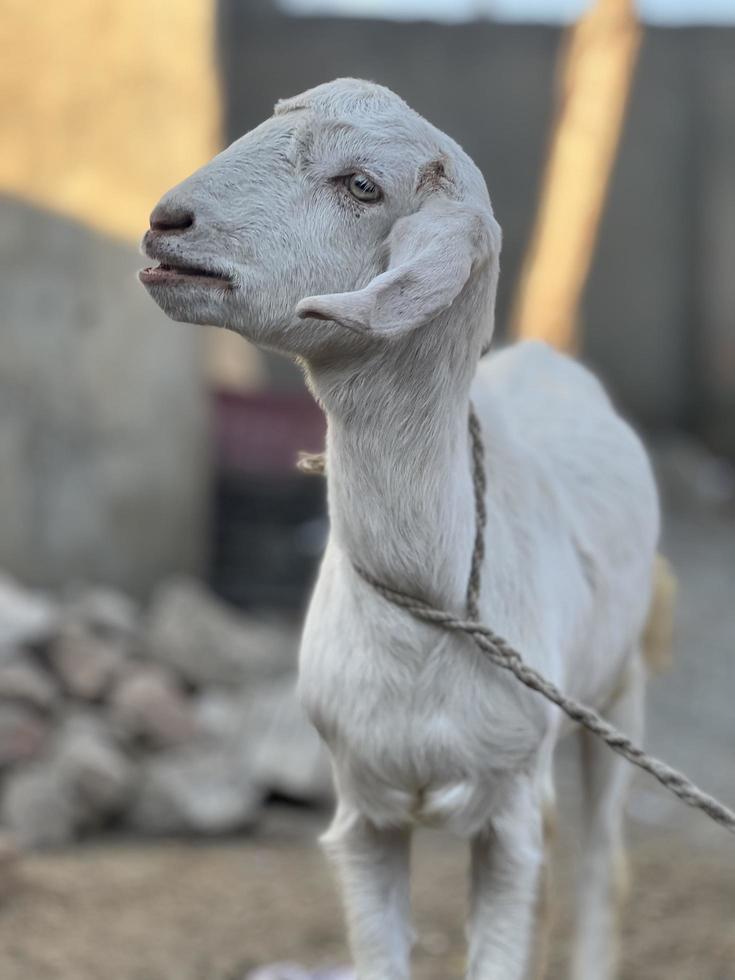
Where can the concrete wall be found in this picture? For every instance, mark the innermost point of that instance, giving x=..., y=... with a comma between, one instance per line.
x=658, y=311
x=103, y=443
x=639, y=301
x=715, y=236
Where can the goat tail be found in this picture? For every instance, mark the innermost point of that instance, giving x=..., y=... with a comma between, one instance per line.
x=658, y=631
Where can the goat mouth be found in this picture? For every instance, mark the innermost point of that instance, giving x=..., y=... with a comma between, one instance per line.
x=167, y=274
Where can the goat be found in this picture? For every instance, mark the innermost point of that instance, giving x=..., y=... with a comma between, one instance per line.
x=349, y=233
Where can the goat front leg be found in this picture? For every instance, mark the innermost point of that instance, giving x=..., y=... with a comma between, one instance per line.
x=507, y=859
x=373, y=870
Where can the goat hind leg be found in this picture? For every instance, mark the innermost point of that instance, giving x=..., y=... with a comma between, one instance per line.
x=603, y=878
x=545, y=900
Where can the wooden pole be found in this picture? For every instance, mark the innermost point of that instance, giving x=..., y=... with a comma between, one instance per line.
x=596, y=70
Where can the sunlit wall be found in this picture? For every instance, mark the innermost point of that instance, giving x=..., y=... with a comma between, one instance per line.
x=105, y=105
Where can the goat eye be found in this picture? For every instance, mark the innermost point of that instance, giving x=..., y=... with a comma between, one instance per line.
x=362, y=188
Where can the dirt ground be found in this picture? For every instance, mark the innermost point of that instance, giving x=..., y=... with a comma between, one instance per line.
x=179, y=911
x=182, y=911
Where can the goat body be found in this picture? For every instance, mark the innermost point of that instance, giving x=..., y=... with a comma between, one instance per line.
x=349, y=233
x=421, y=727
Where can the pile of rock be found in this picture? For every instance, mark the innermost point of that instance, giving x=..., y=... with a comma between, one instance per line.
x=179, y=720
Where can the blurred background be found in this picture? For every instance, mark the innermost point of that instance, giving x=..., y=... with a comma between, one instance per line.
x=157, y=544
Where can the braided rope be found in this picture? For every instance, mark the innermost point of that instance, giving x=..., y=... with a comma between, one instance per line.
x=503, y=655
x=479, y=482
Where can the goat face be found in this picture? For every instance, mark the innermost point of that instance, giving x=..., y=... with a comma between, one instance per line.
x=341, y=221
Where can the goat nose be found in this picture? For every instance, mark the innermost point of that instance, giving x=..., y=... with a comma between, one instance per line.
x=171, y=217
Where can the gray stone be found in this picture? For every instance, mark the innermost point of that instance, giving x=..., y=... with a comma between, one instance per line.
x=208, y=642
x=22, y=733
x=86, y=663
x=289, y=757
x=223, y=717
x=98, y=777
x=37, y=807
x=21, y=680
x=266, y=727
x=107, y=612
x=203, y=791
x=104, y=461
x=25, y=617
x=149, y=705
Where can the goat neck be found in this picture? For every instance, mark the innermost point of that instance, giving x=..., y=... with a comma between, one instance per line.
x=401, y=499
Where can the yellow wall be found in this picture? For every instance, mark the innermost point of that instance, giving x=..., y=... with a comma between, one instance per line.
x=104, y=104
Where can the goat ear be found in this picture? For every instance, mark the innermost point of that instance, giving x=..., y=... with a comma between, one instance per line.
x=432, y=254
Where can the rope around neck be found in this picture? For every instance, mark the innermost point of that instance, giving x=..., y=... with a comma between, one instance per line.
x=503, y=655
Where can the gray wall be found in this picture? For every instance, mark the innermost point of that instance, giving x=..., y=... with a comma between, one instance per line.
x=660, y=308
x=658, y=311
x=104, y=468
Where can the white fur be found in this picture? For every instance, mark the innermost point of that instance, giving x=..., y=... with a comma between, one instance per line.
x=388, y=305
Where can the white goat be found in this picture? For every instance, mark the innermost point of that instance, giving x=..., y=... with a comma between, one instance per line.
x=349, y=233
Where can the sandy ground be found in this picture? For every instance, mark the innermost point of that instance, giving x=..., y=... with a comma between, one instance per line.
x=180, y=911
